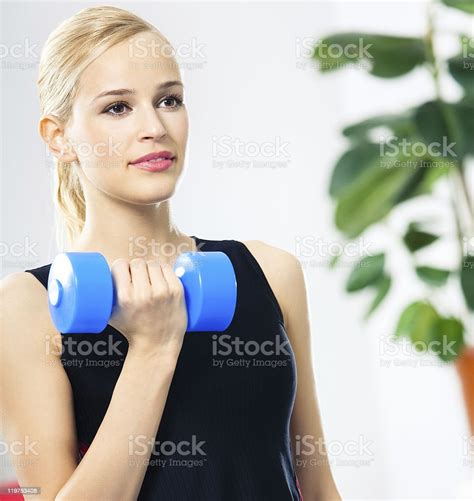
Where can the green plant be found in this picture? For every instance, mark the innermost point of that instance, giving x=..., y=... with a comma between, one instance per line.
x=429, y=144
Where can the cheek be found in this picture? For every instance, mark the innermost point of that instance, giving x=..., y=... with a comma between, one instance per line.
x=184, y=130
x=177, y=126
x=101, y=146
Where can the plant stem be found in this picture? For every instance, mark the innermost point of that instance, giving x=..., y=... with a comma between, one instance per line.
x=458, y=171
x=469, y=202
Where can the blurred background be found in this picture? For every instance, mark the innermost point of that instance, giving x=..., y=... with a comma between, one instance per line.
x=267, y=111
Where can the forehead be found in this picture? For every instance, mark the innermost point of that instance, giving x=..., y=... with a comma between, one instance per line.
x=141, y=62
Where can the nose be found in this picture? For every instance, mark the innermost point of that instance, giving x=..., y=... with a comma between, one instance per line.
x=151, y=126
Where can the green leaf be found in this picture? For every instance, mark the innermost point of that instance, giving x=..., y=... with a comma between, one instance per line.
x=418, y=322
x=447, y=129
x=449, y=332
x=467, y=280
x=432, y=276
x=367, y=271
x=412, y=185
x=406, y=320
x=384, y=56
x=434, y=171
x=370, y=198
x=464, y=113
x=350, y=165
x=462, y=70
x=464, y=5
x=431, y=122
x=416, y=239
x=400, y=124
x=383, y=286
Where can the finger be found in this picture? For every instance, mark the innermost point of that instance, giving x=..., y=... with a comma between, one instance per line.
x=174, y=283
x=157, y=279
x=139, y=273
x=122, y=280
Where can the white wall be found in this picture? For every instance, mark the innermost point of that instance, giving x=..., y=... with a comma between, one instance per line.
x=248, y=85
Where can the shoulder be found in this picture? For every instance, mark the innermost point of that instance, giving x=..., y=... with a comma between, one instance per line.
x=23, y=304
x=273, y=256
x=20, y=288
x=283, y=271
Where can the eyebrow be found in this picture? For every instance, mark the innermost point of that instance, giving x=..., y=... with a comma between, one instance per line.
x=123, y=92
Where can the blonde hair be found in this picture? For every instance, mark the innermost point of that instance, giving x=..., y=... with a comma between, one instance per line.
x=69, y=49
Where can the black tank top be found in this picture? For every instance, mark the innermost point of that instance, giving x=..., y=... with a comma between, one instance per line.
x=225, y=430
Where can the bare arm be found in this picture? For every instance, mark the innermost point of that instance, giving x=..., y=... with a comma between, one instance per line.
x=286, y=278
x=111, y=468
x=36, y=401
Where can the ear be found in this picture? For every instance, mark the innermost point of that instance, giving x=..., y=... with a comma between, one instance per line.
x=52, y=132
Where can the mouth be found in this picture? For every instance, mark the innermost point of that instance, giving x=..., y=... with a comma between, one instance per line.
x=154, y=162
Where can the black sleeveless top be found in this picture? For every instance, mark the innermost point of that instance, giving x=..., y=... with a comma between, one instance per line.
x=224, y=434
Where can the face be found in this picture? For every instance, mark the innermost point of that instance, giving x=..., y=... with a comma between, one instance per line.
x=142, y=113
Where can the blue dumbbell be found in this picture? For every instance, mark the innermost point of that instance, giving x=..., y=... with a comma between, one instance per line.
x=81, y=293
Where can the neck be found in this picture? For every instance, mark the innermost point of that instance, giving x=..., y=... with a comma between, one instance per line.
x=118, y=229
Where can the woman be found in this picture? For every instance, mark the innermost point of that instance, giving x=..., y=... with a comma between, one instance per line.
x=147, y=410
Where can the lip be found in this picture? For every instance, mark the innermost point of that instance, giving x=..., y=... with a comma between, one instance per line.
x=151, y=163
x=155, y=165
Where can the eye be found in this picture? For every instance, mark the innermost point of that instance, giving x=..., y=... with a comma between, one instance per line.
x=178, y=100
x=116, y=106
x=117, y=109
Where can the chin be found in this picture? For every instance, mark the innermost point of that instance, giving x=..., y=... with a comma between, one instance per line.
x=150, y=198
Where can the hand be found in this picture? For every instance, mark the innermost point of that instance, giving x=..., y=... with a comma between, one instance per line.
x=150, y=308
